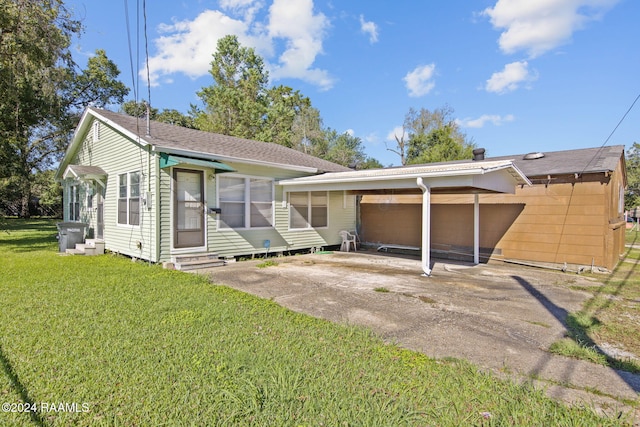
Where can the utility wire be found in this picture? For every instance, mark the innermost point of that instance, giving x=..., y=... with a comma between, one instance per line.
x=624, y=116
x=146, y=50
x=133, y=77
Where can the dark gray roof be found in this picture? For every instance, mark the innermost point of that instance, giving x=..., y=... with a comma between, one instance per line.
x=172, y=137
x=584, y=160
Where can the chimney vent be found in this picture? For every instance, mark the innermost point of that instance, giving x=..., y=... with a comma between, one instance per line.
x=478, y=154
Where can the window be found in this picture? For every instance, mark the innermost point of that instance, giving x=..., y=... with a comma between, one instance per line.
x=74, y=203
x=96, y=131
x=308, y=209
x=129, y=198
x=245, y=202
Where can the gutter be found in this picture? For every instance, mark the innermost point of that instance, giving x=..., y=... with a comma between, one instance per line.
x=178, y=152
x=426, y=227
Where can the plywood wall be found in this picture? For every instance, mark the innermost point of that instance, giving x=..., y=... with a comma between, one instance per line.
x=573, y=223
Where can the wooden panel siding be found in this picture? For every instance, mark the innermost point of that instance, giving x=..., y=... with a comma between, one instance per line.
x=554, y=223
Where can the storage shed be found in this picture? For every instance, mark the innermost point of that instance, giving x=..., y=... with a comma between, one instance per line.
x=572, y=215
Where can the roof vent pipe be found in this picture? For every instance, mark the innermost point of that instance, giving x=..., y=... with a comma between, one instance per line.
x=478, y=154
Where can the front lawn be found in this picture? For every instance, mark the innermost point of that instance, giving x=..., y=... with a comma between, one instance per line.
x=106, y=341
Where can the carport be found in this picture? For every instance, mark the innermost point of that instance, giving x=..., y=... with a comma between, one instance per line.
x=465, y=177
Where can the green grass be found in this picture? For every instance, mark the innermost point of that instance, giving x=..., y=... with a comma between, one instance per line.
x=139, y=345
x=267, y=263
x=611, y=316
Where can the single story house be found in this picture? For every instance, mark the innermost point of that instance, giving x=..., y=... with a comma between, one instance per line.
x=159, y=192
x=162, y=193
x=571, y=216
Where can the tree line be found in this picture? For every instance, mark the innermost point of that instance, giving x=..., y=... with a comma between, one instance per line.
x=43, y=93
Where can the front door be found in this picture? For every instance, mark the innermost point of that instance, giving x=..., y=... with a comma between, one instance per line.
x=188, y=208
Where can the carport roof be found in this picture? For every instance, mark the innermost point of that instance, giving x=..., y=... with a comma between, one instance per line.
x=466, y=176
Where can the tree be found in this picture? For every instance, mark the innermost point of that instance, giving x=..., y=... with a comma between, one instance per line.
x=284, y=105
x=432, y=136
x=139, y=109
x=308, y=134
x=41, y=89
x=175, y=117
x=344, y=149
x=170, y=116
x=402, y=146
x=632, y=195
x=236, y=103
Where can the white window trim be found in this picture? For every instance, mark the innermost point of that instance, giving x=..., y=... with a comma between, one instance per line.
x=309, y=207
x=140, y=209
x=178, y=251
x=73, y=198
x=247, y=203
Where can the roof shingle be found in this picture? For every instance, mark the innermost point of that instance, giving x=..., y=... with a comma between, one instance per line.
x=167, y=136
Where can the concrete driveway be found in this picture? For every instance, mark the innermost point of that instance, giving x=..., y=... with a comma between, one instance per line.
x=501, y=317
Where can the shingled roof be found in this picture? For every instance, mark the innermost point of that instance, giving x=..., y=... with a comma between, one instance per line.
x=584, y=160
x=165, y=137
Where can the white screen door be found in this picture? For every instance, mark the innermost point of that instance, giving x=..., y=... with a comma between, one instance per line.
x=188, y=217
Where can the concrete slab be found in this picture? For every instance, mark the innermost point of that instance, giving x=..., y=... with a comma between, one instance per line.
x=500, y=317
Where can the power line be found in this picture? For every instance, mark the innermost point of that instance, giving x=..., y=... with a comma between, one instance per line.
x=133, y=77
x=146, y=49
x=624, y=116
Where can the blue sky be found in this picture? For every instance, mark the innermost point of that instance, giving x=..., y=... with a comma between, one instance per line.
x=521, y=75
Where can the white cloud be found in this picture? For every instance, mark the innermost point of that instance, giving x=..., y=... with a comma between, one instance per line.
x=248, y=8
x=350, y=132
x=295, y=21
x=369, y=27
x=397, y=131
x=372, y=138
x=187, y=46
x=510, y=78
x=541, y=25
x=420, y=80
x=494, y=119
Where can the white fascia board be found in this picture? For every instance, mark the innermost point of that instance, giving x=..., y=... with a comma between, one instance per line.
x=513, y=170
x=192, y=153
x=345, y=179
x=81, y=130
x=501, y=182
x=388, y=184
x=75, y=140
x=349, y=180
x=68, y=171
x=127, y=133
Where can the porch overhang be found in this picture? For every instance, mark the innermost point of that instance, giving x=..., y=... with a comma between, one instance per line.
x=85, y=173
x=168, y=160
x=469, y=177
x=463, y=177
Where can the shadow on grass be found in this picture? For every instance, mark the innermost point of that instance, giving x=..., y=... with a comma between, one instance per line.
x=30, y=244
x=28, y=235
x=578, y=329
x=17, y=385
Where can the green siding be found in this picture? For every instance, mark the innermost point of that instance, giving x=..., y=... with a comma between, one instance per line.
x=234, y=242
x=116, y=154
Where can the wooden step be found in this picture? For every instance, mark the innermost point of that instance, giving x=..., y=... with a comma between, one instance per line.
x=196, y=265
x=89, y=247
x=196, y=261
